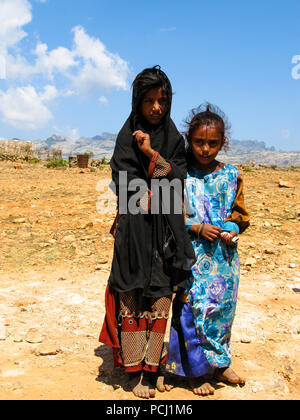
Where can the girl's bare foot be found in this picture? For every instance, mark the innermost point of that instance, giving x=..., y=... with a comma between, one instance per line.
x=229, y=375
x=161, y=386
x=141, y=387
x=202, y=389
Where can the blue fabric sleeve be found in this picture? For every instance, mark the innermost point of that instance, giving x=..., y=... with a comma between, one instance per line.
x=229, y=226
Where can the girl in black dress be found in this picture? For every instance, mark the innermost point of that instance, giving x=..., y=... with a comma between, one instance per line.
x=152, y=253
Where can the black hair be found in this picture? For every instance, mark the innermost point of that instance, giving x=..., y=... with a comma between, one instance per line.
x=148, y=79
x=207, y=114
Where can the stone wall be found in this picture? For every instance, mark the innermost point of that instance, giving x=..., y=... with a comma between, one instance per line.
x=15, y=150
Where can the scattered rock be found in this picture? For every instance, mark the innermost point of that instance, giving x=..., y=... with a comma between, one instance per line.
x=245, y=340
x=267, y=224
x=25, y=302
x=257, y=388
x=83, y=252
x=269, y=251
x=292, y=265
x=20, y=220
x=33, y=336
x=103, y=267
x=47, y=349
x=252, y=245
x=87, y=225
x=250, y=262
x=285, y=184
x=102, y=261
x=69, y=238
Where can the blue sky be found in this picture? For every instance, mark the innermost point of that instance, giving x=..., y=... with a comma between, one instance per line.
x=66, y=66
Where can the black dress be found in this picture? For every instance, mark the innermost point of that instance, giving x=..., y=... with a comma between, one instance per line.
x=152, y=252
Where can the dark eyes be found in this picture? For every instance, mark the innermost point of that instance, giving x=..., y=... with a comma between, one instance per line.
x=212, y=143
x=151, y=101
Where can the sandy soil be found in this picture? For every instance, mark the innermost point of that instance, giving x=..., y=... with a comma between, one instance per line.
x=54, y=264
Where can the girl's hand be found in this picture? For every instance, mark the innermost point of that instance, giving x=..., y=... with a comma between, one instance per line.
x=144, y=143
x=227, y=237
x=211, y=232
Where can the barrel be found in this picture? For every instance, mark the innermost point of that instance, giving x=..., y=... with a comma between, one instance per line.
x=83, y=161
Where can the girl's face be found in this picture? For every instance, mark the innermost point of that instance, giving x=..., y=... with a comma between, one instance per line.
x=206, y=142
x=154, y=105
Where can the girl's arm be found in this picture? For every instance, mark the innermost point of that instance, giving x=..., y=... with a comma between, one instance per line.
x=239, y=214
x=208, y=232
x=174, y=168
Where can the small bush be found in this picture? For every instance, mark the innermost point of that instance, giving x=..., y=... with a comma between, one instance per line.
x=89, y=154
x=34, y=160
x=104, y=161
x=56, y=163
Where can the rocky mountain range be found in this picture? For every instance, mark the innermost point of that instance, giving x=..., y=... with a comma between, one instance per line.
x=100, y=145
x=240, y=151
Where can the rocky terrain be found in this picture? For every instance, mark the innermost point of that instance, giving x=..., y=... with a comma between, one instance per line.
x=54, y=264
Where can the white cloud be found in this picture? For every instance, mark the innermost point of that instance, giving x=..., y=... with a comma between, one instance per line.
x=49, y=93
x=86, y=68
x=100, y=68
x=58, y=60
x=89, y=67
x=18, y=68
x=24, y=107
x=14, y=14
x=103, y=100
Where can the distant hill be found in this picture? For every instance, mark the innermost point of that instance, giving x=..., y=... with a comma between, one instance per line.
x=238, y=147
x=240, y=151
x=100, y=145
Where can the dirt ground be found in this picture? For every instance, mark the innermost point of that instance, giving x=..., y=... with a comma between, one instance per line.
x=54, y=264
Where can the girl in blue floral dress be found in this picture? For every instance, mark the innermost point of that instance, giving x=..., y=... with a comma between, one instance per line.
x=215, y=215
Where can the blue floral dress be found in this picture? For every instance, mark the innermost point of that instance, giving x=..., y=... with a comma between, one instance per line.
x=201, y=327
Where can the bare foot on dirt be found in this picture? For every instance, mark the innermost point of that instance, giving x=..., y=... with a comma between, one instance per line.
x=142, y=387
x=161, y=386
x=229, y=375
x=203, y=389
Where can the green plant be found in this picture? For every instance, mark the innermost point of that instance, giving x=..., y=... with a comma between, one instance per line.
x=55, y=163
x=89, y=154
x=248, y=170
x=274, y=167
x=34, y=160
x=104, y=161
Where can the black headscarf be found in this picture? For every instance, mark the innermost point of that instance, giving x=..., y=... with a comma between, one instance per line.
x=152, y=252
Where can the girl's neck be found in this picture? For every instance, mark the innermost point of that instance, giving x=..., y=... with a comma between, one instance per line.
x=212, y=167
